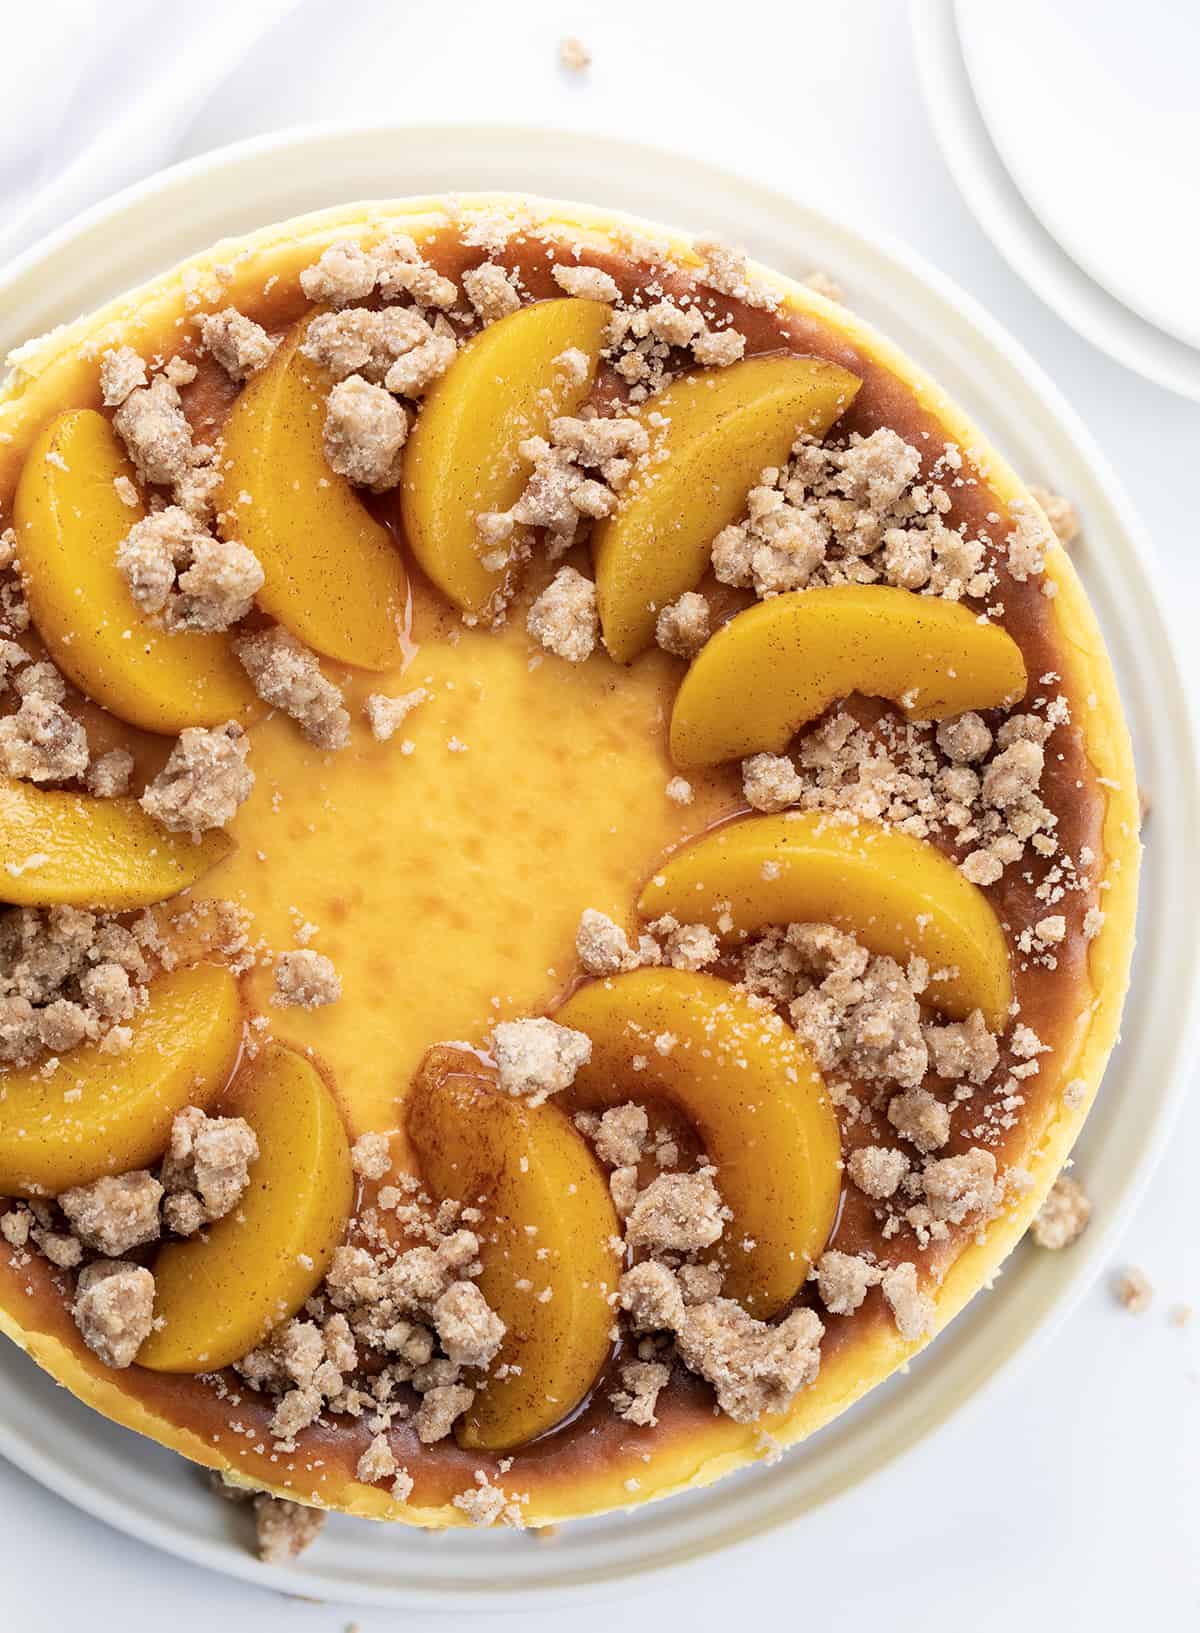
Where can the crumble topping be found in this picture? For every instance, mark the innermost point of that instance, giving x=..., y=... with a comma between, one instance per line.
x=1134, y=1290
x=604, y=948
x=896, y=771
x=284, y=1529
x=344, y=273
x=114, y=1214
x=363, y=341
x=770, y=782
x=403, y=271
x=651, y=1297
x=537, y=1058
x=121, y=372
x=844, y=1280
x=854, y=514
x=620, y=1135
x=589, y=283
x=641, y=1384
x=371, y=1155
x=440, y=1409
x=241, y=346
x=151, y=423
x=573, y=55
x=877, y=1170
x=365, y=431
x=683, y=626
x=377, y=1462
x=677, y=1213
x=176, y=567
x=305, y=979
x=470, y=1330
x=558, y=495
x=912, y=1310
x=287, y=675
x=958, y=1186
x=108, y=776
x=564, y=617
x=41, y=742
x=206, y=1168
x=1063, y=1216
x=485, y=1503
x=386, y=715
x=754, y=1368
x=919, y=1117
x=412, y=374
x=491, y=291
x=114, y=1310
x=1028, y=541
x=1060, y=513
x=204, y=781
x=727, y=271
x=65, y=976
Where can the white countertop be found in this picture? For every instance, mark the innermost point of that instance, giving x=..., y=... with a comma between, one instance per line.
x=1072, y=1496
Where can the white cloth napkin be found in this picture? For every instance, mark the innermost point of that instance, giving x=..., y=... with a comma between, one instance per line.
x=98, y=93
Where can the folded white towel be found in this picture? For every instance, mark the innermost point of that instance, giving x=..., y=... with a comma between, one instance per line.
x=99, y=92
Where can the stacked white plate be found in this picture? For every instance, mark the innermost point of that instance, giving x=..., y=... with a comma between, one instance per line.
x=1073, y=131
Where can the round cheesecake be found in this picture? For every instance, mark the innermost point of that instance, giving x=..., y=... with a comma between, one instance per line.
x=699, y=738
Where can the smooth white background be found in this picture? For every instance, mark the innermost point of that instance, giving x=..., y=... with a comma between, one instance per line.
x=1073, y=1497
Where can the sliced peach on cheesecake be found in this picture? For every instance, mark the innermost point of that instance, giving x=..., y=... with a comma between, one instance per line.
x=332, y=573
x=73, y=850
x=781, y=663
x=711, y=437
x=549, y=1263
x=70, y=519
x=461, y=461
x=740, y=1075
x=899, y=895
x=219, y=1294
x=103, y=1112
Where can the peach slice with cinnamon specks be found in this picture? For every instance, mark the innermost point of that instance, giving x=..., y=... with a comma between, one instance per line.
x=72, y=850
x=779, y=664
x=505, y=385
x=899, y=895
x=549, y=1264
x=333, y=575
x=759, y=1106
x=219, y=1294
x=69, y=520
x=102, y=1112
x=711, y=437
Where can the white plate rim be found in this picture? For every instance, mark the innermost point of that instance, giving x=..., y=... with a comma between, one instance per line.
x=996, y=351
x=1014, y=228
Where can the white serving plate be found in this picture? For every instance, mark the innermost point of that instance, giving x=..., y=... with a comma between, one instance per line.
x=1005, y=215
x=145, y=1490
x=1099, y=126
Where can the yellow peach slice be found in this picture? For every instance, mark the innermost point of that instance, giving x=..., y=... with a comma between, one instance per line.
x=712, y=435
x=461, y=460
x=744, y=1080
x=332, y=573
x=549, y=1267
x=897, y=894
x=781, y=663
x=100, y=1112
x=219, y=1294
x=69, y=520
x=71, y=850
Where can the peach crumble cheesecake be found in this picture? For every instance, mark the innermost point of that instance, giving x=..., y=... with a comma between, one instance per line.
x=570, y=848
